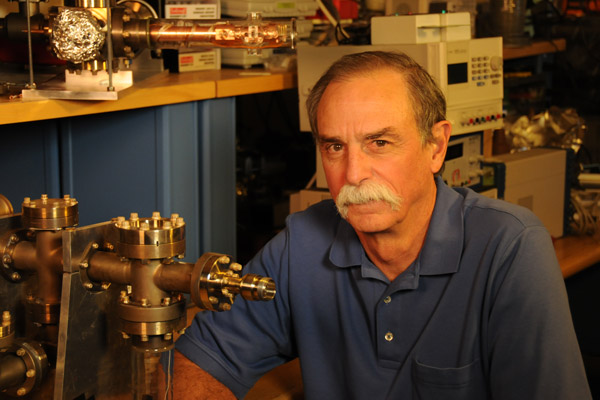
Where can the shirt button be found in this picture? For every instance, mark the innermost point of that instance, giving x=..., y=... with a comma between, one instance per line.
x=387, y=300
x=389, y=336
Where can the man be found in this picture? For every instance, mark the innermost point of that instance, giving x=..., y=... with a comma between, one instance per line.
x=404, y=288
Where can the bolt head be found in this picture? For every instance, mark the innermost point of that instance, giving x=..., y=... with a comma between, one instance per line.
x=21, y=391
x=236, y=267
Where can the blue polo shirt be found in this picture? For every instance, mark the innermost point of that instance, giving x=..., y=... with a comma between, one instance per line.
x=481, y=313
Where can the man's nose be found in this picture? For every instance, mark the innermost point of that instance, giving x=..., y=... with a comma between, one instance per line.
x=358, y=167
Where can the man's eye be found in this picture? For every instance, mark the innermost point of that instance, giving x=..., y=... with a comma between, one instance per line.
x=334, y=148
x=380, y=143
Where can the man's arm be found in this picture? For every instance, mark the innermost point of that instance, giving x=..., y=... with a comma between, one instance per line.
x=190, y=382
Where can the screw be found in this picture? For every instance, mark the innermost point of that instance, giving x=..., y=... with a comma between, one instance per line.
x=21, y=352
x=156, y=215
x=88, y=285
x=83, y=264
x=236, y=267
x=5, y=317
x=144, y=303
x=6, y=259
x=27, y=200
x=15, y=276
x=168, y=336
x=21, y=391
x=213, y=300
x=105, y=285
x=167, y=224
x=134, y=216
x=181, y=332
x=94, y=245
x=13, y=238
x=223, y=260
x=166, y=301
x=30, y=373
x=109, y=246
x=225, y=306
x=144, y=338
x=144, y=226
x=67, y=196
x=125, y=335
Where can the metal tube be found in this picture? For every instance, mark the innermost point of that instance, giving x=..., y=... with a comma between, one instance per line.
x=109, y=48
x=252, y=33
x=12, y=371
x=29, y=46
x=175, y=277
x=108, y=267
x=49, y=256
x=24, y=256
x=144, y=291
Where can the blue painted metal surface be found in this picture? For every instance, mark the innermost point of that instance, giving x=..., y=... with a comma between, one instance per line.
x=174, y=159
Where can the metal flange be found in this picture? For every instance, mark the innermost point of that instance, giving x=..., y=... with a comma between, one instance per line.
x=150, y=238
x=36, y=366
x=50, y=214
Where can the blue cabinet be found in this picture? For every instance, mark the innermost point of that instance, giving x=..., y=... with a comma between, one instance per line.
x=176, y=158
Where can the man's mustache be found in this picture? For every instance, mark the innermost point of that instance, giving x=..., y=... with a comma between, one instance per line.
x=364, y=193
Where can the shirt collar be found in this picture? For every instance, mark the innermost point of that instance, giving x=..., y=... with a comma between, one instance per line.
x=443, y=244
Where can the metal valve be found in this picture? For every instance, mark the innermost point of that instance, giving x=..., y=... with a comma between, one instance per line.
x=216, y=281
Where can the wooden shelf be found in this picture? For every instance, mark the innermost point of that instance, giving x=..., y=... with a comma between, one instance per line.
x=576, y=253
x=161, y=89
x=535, y=48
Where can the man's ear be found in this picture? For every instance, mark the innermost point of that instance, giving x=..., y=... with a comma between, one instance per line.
x=441, y=135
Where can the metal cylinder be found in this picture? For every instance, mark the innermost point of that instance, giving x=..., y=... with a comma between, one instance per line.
x=252, y=33
x=108, y=267
x=174, y=277
x=31, y=366
x=216, y=282
x=24, y=256
x=256, y=287
x=50, y=214
x=5, y=206
x=150, y=238
x=508, y=21
x=12, y=371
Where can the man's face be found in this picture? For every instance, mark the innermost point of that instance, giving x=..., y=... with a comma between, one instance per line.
x=368, y=136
